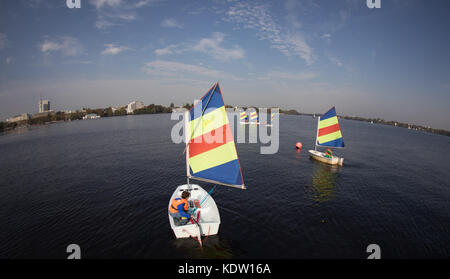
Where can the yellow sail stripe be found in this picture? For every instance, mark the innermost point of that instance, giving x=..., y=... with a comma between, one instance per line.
x=330, y=137
x=214, y=157
x=328, y=122
x=209, y=121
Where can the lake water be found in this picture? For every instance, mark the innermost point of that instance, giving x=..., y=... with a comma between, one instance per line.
x=105, y=184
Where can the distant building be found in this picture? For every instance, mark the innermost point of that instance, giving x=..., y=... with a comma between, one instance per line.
x=18, y=118
x=44, y=105
x=178, y=109
x=91, y=116
x=118, y=108
x=131, y=107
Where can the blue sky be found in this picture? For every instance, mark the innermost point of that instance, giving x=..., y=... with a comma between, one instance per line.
x=392, y=62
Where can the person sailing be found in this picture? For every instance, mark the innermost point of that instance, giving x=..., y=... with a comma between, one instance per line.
x=178, y=209
x=329, y=153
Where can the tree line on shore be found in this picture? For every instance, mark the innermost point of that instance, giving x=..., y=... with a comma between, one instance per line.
x=102, y=112
x=155, y=109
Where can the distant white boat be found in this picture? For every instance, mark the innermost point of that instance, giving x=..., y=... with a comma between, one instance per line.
x=91, y=116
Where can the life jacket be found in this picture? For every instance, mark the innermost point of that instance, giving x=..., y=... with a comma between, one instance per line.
x=176, y=202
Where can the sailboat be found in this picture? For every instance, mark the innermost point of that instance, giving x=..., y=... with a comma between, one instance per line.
x=254, y=119
x=244, y=118
x=328, y=135
x=211, y=161
x=272, y=116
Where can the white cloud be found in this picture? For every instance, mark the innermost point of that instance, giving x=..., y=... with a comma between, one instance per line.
x=171, y=23
x=101, y=3
x=112, y=49
x=167, y=50
x=326, y=37
x=143, y=3
x=117, y=12
x=212, y=46
x=257, y=17
x=9, y=60
x=68, y=46
x=177, y=69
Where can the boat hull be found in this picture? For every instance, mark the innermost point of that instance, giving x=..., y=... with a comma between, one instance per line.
x=320, y=156
x=209, y=220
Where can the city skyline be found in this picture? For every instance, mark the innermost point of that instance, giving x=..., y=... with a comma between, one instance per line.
x=390, y=63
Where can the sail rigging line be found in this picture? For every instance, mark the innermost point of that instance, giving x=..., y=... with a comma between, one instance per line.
x=204, y=199
x=243, y=187
x=207, y=195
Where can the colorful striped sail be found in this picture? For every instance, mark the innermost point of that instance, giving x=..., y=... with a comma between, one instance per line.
x=254, y=116
x=328, y=130
x=244, y=117
x=211, y=151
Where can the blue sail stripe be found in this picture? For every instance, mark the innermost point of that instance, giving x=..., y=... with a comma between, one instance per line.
x=229, y=173
x=215, y=102
x=329, y=114
x=334, y=143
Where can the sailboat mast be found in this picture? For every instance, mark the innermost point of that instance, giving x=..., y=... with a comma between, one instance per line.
x=317, y=133
x=186, y=134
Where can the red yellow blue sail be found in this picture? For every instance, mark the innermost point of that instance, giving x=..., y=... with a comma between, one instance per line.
x=211, y=151
x=254, y=116
x=244, y=117
x=329, y=131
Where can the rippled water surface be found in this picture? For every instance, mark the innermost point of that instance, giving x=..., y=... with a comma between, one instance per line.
x=105, y=184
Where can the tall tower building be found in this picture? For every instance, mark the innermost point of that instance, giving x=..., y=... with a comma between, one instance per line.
x=44, y=105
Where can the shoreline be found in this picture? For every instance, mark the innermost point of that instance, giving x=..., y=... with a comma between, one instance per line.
x=290, y=112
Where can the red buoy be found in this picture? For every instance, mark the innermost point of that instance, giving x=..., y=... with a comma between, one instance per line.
x=298, y=145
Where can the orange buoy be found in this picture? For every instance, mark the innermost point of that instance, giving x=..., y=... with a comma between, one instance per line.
x=298, y=145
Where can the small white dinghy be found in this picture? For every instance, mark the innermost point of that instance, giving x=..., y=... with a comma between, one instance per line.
x=320, y=156
x=207, y=215
x=328, y=135
x=211, y=157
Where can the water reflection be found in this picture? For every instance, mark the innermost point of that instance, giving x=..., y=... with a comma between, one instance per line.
x=214, y=247
x=324, y=179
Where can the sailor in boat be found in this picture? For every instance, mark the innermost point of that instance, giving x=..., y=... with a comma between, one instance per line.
x=329, y=153
x=179, y=207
